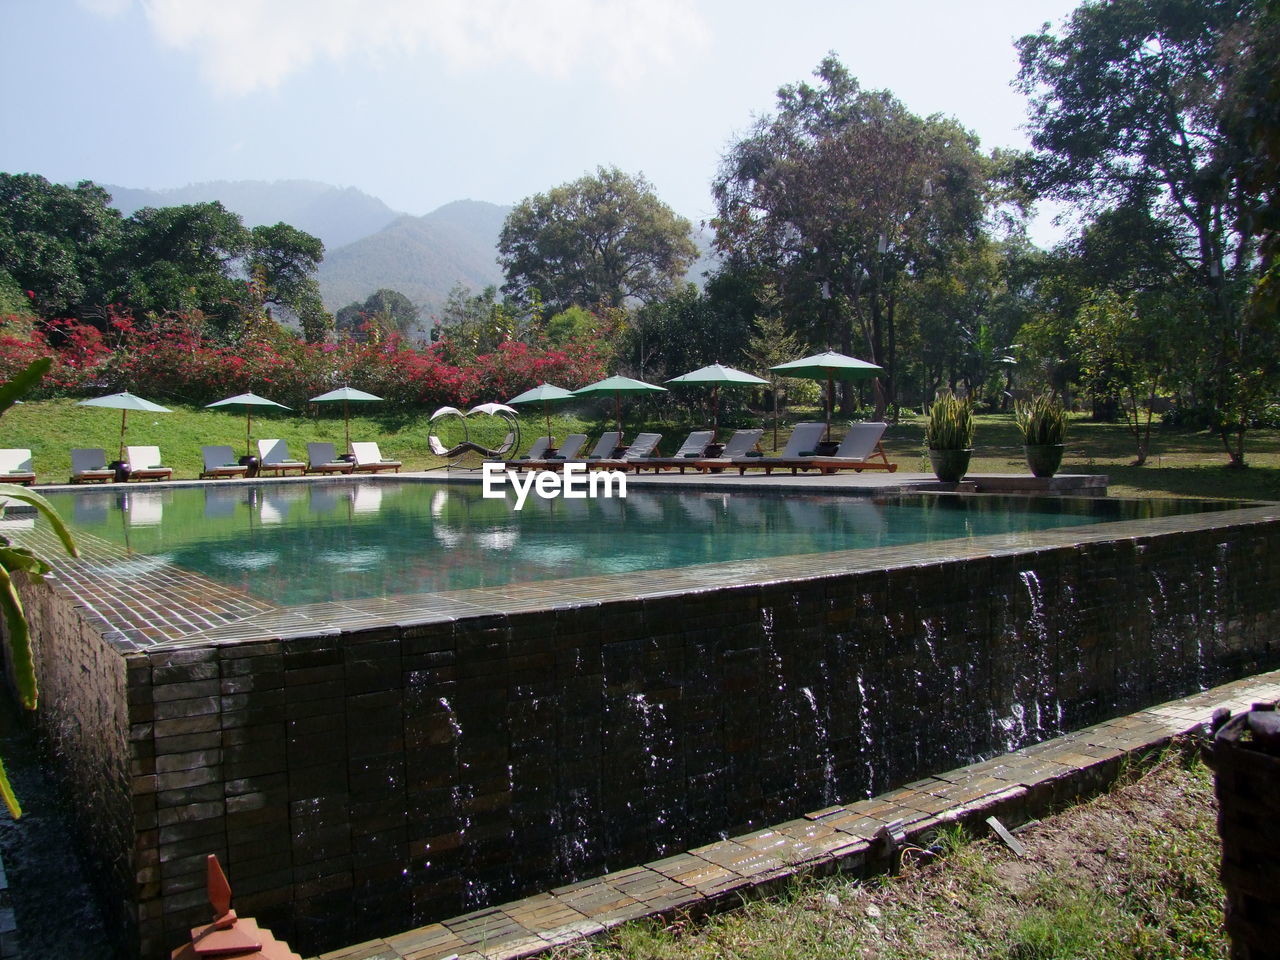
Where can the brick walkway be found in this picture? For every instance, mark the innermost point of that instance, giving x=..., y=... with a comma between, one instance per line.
x=1015, y=787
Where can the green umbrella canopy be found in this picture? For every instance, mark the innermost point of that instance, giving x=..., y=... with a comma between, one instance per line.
x=617, y=386
x=248, y=401
x=545, y=394
x=829, y=366
x=345, y=394
x=124, y=402
x=716, y=374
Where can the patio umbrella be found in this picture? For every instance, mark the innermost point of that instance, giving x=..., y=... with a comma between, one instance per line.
x=715, y=374
x=618, y=386
x=248, y=401
x=829, y=366
x=124, y=402
x=545, y=394
x=345, y=394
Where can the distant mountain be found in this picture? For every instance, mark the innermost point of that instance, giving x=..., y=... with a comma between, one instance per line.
x=368, y=245
x=337, y=215
x=422, y=257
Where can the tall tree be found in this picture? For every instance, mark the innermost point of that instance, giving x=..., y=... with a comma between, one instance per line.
x=283, y=260
x=186, y=258
x=1125, y=113
x=602, y=239
x=56, y=242
x=839, y=194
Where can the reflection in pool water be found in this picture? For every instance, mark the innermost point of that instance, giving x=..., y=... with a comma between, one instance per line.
x=292, y=543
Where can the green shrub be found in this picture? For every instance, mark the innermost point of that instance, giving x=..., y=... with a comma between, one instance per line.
x=1041, y=421
x=950, y=424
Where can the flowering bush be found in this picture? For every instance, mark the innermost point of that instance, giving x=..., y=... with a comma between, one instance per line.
x=174, y=359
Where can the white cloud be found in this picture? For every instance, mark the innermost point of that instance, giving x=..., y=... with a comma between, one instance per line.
x=249, y=45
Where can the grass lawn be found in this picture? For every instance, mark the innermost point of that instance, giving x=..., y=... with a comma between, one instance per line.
x=1182, y=463
x=1130, y=874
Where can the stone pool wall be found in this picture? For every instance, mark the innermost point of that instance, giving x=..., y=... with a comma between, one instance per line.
x=368, y=780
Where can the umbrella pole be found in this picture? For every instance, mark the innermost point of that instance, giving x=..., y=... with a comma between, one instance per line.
x=617, y=401
x=248, y=432
x=124, y=416
x=831, y=388
x=715, y=411
x=546, y=411
x=346, y=419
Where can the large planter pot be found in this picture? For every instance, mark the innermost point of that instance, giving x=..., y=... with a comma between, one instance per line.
x=1044, y=458
x=950, y=466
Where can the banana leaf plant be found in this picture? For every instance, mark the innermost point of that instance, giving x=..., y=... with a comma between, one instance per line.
x=21, y=560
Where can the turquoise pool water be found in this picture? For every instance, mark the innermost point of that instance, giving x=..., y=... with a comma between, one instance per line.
x=293, y=543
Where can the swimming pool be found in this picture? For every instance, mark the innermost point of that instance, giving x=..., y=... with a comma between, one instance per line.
x=378, y=763
x=296, y=543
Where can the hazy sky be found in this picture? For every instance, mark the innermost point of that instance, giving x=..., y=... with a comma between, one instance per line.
x=420, y=102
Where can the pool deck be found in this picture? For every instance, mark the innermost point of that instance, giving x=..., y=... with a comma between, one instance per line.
x=1015, y=788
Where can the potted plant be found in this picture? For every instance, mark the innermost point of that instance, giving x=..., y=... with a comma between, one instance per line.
x=1043, y=425
x=949, y=436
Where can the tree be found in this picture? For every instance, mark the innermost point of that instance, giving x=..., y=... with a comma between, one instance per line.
x=389, y=310
x=1127, y=345
x=57, y=242
x=1125, y=113
x=841, y=193
x=476, y=324
x=283, y=262
x=183, y=259
x=604, y=239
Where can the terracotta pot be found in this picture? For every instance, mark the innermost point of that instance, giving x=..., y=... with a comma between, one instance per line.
x=950, y=466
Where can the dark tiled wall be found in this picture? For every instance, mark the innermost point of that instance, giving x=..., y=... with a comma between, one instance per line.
x=358, y=783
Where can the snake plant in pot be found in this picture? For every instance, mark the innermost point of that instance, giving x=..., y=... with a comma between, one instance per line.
x=949, y=436
x=1043, y=425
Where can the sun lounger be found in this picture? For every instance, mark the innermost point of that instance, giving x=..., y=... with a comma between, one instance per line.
x=640, y=448
x=804, y=438
x=15, y=467
x=693, y=448
x=537, y=451
x=568, y=450
x=369, y=458
x=145, y=464
x=605, y=446
x=860, y=450
x=323, y=458
x=220, y=462
x=273, y=457
x=89, y=465
x=740, y=444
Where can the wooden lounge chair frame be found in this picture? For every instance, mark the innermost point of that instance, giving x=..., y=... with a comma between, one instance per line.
x=693, y=448
x=573, y=443
x=804, y=436
x=369, y=458
x=278, y=467
x=747, y=438
x=152, y=471
x=89, y=465
x=640, y=448
x=218, y=463
x=319, y=461
x=15, y=464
